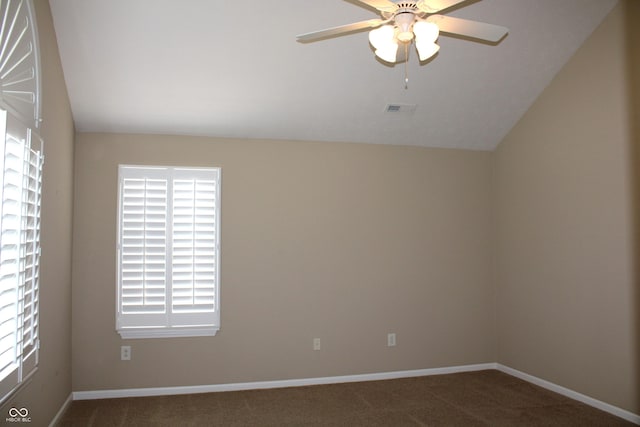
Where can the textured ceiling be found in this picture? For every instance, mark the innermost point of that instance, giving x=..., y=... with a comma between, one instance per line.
x=234, y=69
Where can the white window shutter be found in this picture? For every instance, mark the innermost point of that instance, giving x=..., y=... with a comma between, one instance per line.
x=21, y=184
x=30, y=257
x=21, y=163
x=144, y=245
x=194, y=245
x=12, y=158
x=168, y=251
x=142, y=242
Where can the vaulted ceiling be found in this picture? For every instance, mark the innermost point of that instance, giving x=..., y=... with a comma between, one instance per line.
x=234, y=69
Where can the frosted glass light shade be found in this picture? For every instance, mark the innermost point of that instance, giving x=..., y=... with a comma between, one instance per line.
x=383, y=40
x=426, y=31
x=426, y=50
x=382, y=37
x=426, y=35
x=388, y=53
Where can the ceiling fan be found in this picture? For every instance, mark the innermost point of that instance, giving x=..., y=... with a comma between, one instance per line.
x=404, y=22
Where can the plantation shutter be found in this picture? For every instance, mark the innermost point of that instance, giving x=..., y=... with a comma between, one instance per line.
x=194, y=263
x=143, y=248
x=30, y=256
x=21, y=165
x=168, y=251
x=20, y=185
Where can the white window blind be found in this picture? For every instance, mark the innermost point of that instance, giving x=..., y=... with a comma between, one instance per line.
x=21, y=188
x=168, y=252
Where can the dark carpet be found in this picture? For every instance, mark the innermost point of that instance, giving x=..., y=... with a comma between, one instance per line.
x=483, y=398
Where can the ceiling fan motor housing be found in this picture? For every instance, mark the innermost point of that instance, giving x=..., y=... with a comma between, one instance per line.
x=406, y=4
x=401, y=7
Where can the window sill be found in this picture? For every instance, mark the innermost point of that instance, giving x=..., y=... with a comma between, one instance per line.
x=18, y=388
x=138, y=333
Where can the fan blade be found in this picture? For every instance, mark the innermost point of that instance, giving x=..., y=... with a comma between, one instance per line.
x=465, y=27
x=434, y=6
x=381, y=5
x=338, y=31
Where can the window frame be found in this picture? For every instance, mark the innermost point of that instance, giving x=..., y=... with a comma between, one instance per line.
x=169, y=323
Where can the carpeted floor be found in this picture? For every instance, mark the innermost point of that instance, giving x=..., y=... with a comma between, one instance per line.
x=483, y=398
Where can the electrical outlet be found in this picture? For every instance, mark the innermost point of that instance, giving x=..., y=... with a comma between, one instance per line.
x=316, y=344
x=391, y=340
x=125, y=352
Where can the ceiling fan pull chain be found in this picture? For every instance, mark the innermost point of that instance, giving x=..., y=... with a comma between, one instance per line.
x=406, y=66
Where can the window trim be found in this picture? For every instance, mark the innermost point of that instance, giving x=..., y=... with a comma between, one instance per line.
x=183, y=327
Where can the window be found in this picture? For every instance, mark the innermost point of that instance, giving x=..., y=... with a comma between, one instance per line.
x=21, y=162
x=168, y=252
x=21, y=183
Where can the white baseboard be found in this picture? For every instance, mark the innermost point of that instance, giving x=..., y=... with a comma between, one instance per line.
x=614, y=410
x=164, y=391
x=61, y=412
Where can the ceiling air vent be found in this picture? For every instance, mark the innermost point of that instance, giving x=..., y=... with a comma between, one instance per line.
x=400, y=108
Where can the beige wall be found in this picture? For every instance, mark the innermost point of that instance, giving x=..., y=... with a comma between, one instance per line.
x=632, y=15
x=344, y=242
x=564, y=228
x=51, y=385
